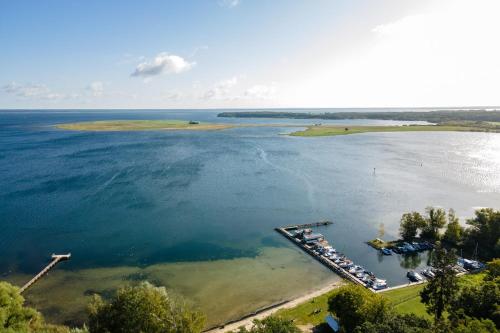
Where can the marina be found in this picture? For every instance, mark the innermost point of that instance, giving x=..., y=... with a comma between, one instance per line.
x=318, y=247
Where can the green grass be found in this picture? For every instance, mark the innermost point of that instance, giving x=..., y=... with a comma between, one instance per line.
x=327, y=130
x=307, y=313
x=141, y=125
x=405, y=300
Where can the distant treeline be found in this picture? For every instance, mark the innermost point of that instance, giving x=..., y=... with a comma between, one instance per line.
x=440, y=116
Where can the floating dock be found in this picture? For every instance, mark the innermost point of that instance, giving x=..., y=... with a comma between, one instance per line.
x=56, y=258
x=325, y=261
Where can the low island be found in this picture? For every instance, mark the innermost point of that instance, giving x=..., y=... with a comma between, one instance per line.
x=332, y=130
x=142, y=125
x=309, y=131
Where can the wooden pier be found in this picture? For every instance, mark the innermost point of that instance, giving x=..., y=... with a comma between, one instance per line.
x=56, y=258
x=325, y=261
x=307, y=225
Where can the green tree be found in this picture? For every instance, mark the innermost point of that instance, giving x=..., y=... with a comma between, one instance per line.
x=410, y=224
x=439, y=293
x=145, y=309
x=353, y=305
x=493, y=269
x=484, y=232
x=435, y=220
x=16, y=318
x=473, y=325
x=454, y=231
x=271, y=324
x=480, y=301
x=408, y=323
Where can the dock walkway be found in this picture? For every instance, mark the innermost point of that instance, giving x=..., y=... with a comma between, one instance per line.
x=56, y=258
x=325, y=261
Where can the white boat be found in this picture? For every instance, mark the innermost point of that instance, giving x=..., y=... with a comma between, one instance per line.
x=428, y=273
x=414, y=276
x=379, y=284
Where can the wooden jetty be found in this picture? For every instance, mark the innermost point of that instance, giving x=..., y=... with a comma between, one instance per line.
x=56, y=258
x=307, y=225
x=325, y=261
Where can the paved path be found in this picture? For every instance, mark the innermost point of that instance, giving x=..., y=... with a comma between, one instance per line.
x=247, y=322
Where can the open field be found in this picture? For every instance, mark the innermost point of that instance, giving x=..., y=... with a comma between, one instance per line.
x=407, y=300
x=142, y=125
x=327, y=130
x=312, y=312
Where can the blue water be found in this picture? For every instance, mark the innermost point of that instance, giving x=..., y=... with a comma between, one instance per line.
x=138, y=198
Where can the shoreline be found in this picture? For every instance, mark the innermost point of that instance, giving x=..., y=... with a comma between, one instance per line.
x=246, y=321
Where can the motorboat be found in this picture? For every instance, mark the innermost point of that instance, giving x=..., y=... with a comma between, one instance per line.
x=414, y=276
x=428, y=273
x=355, y=269
x=345, y=263
x=379, y=284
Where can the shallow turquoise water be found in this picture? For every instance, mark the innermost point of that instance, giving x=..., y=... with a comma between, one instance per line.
x=139, y=198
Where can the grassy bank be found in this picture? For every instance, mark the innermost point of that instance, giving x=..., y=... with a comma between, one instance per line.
x=142, y=125
x=404, y=300
x=332, y=130
x=407, y=300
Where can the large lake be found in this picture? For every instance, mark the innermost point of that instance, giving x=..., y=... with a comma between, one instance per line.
x=195, y=211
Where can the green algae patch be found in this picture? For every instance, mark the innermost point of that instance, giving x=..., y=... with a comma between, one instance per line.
x=142, y=125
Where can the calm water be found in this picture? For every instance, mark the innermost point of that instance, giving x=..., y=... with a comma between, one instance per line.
x=136, y=199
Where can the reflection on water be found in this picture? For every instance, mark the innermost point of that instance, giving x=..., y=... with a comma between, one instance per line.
x=412, y=260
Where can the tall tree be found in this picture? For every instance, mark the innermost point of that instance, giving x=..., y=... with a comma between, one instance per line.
x=435, y=220
x=441, y=291
x=454, y=231
x=145, y=309
x=484, y=232
x=410, y=224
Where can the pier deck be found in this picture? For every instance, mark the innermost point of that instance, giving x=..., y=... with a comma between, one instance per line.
x=325, y=261
x=56, y=258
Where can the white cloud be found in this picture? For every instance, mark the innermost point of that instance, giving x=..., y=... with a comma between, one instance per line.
x=26, y=90
x=32, y=91
x=221, y=89
x=163, y=63
x=261, y=91
x=96, y=88
x=229, y=3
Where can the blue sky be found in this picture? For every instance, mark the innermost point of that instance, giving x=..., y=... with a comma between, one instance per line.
x=247, y=53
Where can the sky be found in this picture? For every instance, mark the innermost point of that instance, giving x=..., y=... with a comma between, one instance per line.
x=249, y=53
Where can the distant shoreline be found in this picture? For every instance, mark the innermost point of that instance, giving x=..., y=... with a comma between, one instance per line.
x=436, y=117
